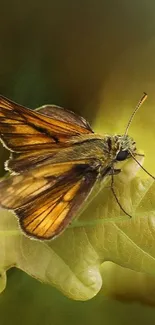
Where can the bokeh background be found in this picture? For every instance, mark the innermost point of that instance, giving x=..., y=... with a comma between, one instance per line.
x=96, y=58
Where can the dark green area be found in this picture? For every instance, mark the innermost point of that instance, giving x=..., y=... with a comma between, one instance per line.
x=26, y=301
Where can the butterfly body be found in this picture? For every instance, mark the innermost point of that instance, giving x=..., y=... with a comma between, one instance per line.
x=55, y=161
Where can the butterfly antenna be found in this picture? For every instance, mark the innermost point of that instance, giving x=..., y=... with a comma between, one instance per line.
x=133, y=156
x=142, y=100
x=115, y=196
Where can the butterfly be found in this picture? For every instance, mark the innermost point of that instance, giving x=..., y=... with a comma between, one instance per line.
x=56, y=159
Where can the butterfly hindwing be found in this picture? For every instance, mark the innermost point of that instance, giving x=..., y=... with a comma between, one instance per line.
x=64, y=115
x=22, y=129
x=33, y=136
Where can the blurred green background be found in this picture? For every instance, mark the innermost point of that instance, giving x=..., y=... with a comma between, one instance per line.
x=87, y=56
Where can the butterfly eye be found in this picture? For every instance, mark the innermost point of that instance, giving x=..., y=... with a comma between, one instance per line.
x=122, y=155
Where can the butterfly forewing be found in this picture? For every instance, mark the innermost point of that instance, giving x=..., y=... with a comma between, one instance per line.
x=46, y=202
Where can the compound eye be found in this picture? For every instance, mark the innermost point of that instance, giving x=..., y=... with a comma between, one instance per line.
x=122, y=155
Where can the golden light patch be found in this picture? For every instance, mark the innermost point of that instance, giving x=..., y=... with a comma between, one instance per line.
x=23, y=190
x=50, y=219
x=72, y=192
x=58, y=222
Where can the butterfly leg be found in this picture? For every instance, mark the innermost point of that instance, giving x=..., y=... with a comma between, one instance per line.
x=114, y=193
x=114, y=171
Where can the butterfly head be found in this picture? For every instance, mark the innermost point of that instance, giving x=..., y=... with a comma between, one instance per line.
x=122, y=146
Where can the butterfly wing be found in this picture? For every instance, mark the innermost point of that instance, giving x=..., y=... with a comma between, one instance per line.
x=47, y=199
x=64, y=115
x=37, y=134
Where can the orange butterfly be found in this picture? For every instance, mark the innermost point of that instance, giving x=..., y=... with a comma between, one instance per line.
x=55, y=161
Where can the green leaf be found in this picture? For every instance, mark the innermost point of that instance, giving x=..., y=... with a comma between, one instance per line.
x=73, y=262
